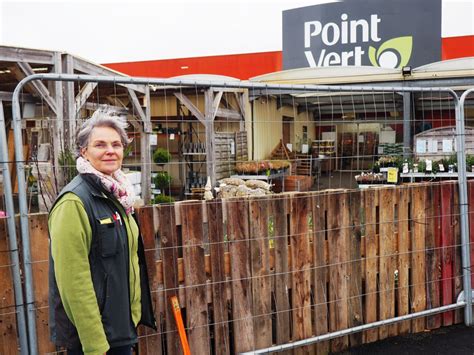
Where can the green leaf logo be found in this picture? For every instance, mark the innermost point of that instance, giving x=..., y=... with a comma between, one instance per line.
x=393, y=53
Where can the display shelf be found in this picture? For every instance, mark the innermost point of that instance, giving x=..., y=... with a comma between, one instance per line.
x=323, y=147
x=324, y=152
x=432, y=175
x=413, y=176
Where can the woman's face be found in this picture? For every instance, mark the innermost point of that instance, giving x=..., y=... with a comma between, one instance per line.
x=105, y=150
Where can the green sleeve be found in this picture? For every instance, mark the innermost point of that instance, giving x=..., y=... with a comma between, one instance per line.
x=71, y=236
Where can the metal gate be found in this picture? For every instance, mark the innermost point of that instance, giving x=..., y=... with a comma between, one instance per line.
x=304, y=93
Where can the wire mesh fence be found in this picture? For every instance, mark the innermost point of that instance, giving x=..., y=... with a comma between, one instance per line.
x=371, y=232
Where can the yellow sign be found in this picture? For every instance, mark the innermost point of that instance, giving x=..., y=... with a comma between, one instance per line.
x=392, y=175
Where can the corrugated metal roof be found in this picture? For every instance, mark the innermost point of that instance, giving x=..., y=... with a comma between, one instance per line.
x=205, y=77
x=323, y=72
x=351, y=74
x=460, y=64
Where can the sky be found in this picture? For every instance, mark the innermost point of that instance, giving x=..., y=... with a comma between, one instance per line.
x=107, y=31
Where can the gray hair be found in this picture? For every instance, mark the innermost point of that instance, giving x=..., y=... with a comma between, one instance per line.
x=102, y=117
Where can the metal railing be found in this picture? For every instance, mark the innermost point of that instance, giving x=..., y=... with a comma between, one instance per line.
x=28, y=333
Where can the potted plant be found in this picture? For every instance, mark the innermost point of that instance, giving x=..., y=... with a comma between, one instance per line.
x=469, y=162
x=161, y=156
x=67, y=162
x=162, y=180
x=162, y=199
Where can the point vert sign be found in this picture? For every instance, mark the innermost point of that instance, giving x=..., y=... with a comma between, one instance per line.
x=379, y=33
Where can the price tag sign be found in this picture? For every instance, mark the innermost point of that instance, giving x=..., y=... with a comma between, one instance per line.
x=392, y=175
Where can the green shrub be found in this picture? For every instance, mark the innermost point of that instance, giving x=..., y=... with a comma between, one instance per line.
x=161, y=156
x=67, y=162
x=162, y=180
x=469, y=162
x=161, y=199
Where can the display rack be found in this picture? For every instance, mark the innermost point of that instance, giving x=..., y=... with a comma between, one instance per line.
x=324, y=153
x=193, y=151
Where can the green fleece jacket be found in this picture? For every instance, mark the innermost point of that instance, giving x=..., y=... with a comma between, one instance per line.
x=71, y=237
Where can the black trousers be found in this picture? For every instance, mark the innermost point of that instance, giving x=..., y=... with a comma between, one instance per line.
x=120, y=350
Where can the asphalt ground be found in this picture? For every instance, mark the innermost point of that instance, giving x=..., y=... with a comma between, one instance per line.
x=456, y=340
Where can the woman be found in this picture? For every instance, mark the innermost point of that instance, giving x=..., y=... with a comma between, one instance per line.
x=99, y=290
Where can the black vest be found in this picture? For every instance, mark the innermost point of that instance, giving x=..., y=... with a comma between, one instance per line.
x=109, y=264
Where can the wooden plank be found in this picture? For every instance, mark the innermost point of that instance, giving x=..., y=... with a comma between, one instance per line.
x=387, y=261
x=260, y=264
x=82, y=96
x=36, y=56
x=457, y=281
x=218, y=277
x=169, y=253
x=8, y=96
x=138, y=110
x=230, y=115
x=39, y=242
x=418, y=276
x=26, y=70
x=238, y=234
x=370, y=200
x=93, y=69
x=190, y=106
x=8, y=331
x=149, y=339
x=216, y=103
x=195, y=276
x=69, y=104
x=338, y=242
x=355, y=268
x=300, y=269
x=404, y=237
x=319, y=210
x=282, y=279
x=432, y=254
x=447, y=239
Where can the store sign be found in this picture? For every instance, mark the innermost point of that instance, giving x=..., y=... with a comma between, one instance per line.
x=389, y=34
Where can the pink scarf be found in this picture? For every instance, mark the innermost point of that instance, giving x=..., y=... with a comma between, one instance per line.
x=117, y=183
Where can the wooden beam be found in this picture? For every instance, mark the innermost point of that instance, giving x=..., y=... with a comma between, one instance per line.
x=190, y=106
x=26, y=70
x=215, y=104
x=69, y=110
x=95, y=69
x=229, y=114
x=243, y=101
x=227, y=89
x=136, y=105
x=13, y=54
x=210, y=140
x=83, y=95
x=146, y=151
x=58, y=124
x=91, y=106
x=115, y=100
x=240, y=102
x=7, y=96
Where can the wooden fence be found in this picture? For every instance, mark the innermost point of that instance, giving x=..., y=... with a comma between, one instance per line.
x=251, y=273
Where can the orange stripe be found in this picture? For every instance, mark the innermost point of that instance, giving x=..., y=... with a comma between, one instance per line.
x=241, y=66
x=457, y=47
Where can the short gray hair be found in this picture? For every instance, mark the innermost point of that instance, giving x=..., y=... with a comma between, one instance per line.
x=102, y=117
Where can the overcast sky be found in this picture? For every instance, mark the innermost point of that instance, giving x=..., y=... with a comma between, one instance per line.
x=107, y=31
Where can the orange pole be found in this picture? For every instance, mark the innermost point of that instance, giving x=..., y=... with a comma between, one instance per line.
x=179, y=324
